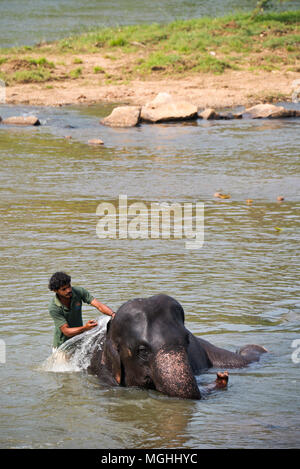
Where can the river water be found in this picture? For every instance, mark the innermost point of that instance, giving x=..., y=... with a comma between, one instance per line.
x=241, y=286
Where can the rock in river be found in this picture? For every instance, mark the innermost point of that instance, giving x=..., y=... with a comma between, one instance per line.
x=21, y=120
x=166, y=108
x=123, y=116
x=96, y=141
x=212, y=114
x=270, y=111
x=209, y=114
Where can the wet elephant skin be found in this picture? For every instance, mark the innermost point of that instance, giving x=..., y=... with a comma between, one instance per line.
x=147, y=345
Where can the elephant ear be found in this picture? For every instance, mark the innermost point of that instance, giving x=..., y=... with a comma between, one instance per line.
x=111, y=360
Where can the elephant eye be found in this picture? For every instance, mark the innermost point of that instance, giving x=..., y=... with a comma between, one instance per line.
x=142, y=352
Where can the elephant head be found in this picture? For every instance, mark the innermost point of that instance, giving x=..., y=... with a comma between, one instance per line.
x=146, y=346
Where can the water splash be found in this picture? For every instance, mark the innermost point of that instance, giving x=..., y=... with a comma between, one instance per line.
x=75, y=354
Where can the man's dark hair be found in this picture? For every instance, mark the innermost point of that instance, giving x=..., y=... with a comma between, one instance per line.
x=58, y=280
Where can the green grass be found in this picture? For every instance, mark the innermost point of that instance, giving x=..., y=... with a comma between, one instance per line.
x=30, y=76
x=185, y=35
x=160, y=61
x=26, y=69
x=77, y=60
x=98, y=69
x=41, y=62
x=292, y=41
x=200, y=45
x=76, y=73
x=184, y=46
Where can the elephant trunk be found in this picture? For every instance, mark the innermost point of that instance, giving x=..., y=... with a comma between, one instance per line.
x=173, y=375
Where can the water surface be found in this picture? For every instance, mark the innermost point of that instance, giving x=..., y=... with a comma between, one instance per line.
x=241, y=287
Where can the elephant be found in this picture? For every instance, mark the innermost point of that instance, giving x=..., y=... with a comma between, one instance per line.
x=147, y=345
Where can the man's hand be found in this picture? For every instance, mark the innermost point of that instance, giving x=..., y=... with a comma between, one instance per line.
x=72, y=331
x=90, y=324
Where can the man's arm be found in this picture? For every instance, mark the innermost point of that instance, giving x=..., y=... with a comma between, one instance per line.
x=102, y=308
x=72, y=331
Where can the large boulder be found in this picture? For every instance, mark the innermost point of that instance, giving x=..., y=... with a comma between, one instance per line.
x=166, y=108
x=270, y=111
x=21, y=120
x=123, y=116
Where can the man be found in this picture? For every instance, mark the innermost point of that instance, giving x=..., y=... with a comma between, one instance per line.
x=65, y=308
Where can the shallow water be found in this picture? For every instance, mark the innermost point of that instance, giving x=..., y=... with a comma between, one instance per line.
x=46, y=20
x=241, y=287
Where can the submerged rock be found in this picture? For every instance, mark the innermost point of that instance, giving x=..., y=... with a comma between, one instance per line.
x=209, y=114
x=212, y=114
x=232, y=116
x=166, y=108
x=123, y=116
x=21, y=120
x=219, y=195
x=270, y=111
x=96, y=141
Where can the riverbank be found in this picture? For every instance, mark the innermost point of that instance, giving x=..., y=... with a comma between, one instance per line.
x=229, y=90
x=212, y=62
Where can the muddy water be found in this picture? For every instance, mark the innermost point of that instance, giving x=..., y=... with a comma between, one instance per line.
x=241, y=287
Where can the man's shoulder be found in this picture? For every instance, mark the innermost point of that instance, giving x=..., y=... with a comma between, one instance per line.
x=83, y=294
x=54, y=303
x=78, y=290
x=53, y=307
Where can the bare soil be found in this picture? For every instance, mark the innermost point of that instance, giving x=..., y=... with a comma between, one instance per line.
x=230, y=89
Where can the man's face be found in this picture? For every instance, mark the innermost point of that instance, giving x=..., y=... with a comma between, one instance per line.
x=65, y=291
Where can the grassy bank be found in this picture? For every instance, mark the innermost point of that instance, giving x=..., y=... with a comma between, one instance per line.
x=205, y=45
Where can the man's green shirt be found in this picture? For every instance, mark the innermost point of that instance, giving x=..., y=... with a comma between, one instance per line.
x=73, y=316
